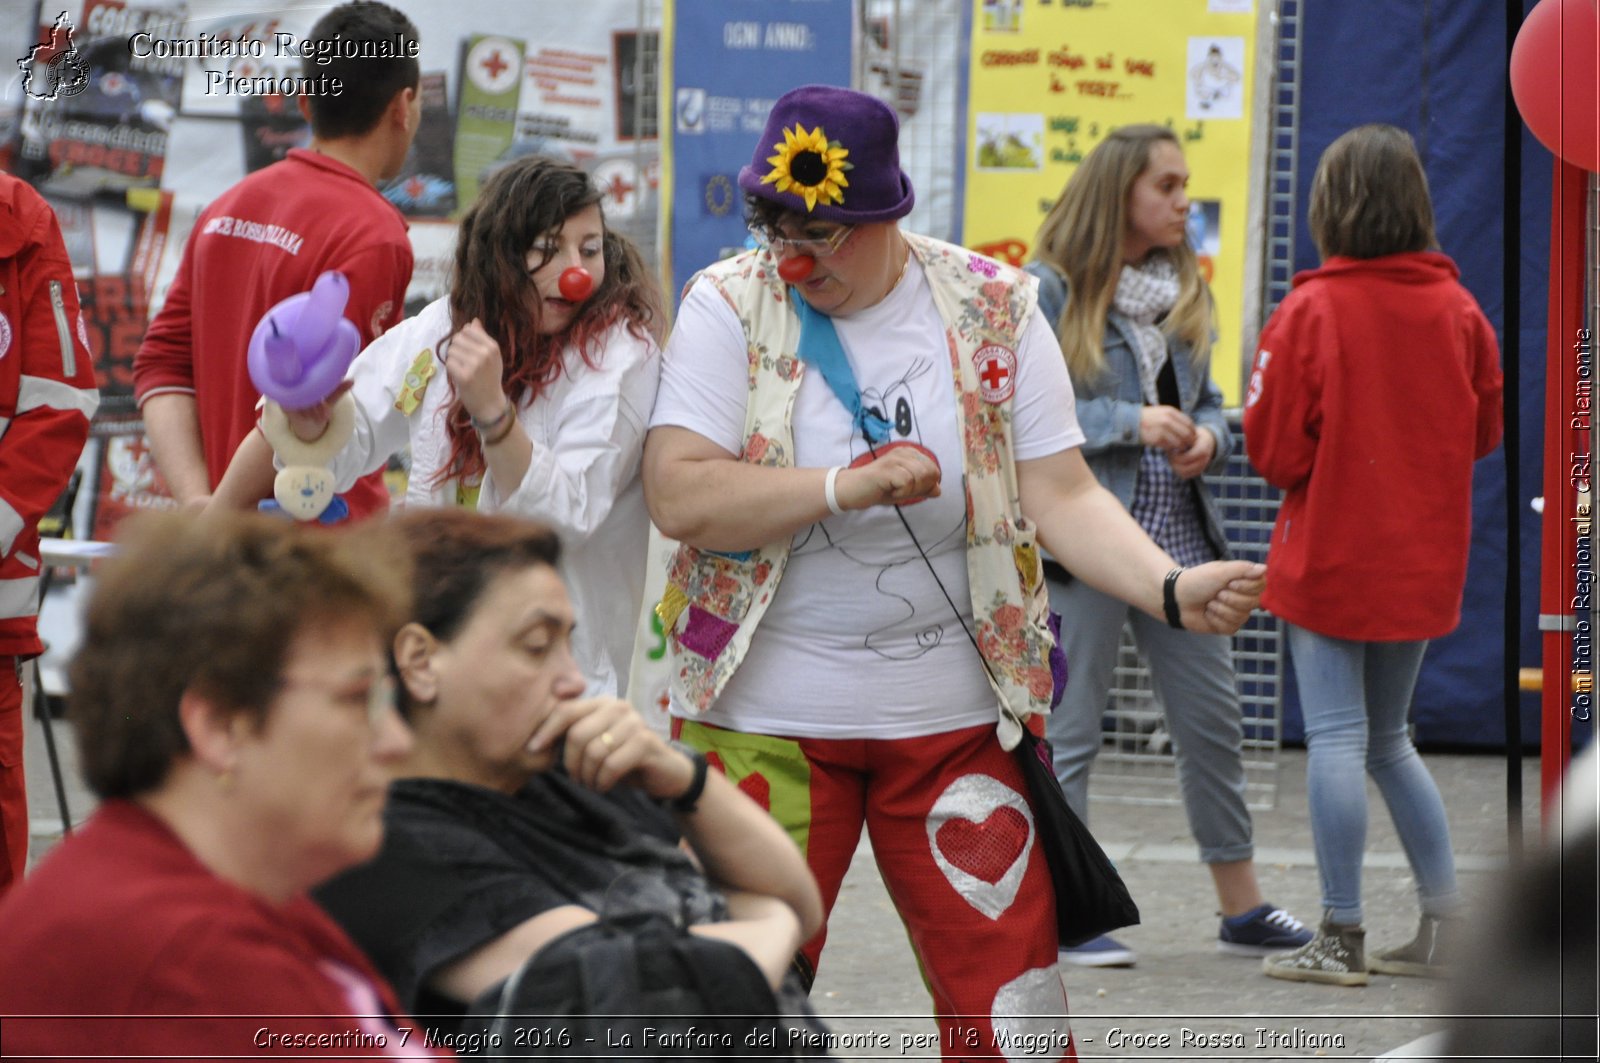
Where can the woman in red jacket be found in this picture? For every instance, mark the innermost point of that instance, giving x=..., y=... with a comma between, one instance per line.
x=1376, y=386
x=235, y=716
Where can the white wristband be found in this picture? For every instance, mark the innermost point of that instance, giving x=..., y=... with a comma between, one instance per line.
x=829, y=493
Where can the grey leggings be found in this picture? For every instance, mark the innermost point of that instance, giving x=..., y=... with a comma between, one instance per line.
x=1192, y=675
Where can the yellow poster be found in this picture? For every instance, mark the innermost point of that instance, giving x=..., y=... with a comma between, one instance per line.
x=1050, y=78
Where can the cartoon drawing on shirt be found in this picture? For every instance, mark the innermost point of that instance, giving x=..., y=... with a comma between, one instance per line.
x=894, y=576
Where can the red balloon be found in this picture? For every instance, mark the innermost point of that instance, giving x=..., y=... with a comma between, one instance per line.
x=1554, y=78
x=575, y=283
x=796, y=269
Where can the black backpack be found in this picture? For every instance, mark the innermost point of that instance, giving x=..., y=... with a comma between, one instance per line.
x=639, y=987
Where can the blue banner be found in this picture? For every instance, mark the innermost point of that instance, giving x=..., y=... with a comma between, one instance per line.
x=729, y=61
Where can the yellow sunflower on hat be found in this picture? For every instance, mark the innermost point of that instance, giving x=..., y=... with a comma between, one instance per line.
x=809, y=165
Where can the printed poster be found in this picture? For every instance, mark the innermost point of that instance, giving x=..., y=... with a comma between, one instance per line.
x=425, y=186
x=126, y=479
x=96, y=116
x=1047, y=81
x=728, y=64
x=271, y=126
x=591, y=97
x=486, y=123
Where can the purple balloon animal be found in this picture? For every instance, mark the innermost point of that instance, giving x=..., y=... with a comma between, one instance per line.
x=301, y=347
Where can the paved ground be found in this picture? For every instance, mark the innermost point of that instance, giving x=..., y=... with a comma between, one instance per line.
x=869, y=981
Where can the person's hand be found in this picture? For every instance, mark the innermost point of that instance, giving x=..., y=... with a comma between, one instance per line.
x=1218, y=596
x=1192, y=460
x=899, y=475
x=1166, y=427
x=607, y=743
x=308, y=424
x=474, y=366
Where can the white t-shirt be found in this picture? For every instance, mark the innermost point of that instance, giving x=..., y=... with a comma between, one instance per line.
x=859, y=641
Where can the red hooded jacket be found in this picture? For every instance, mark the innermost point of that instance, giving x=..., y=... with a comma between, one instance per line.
x=1377, y=384
x=47, y=396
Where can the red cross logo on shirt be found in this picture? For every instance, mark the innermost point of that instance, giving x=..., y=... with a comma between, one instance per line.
x=997, y=372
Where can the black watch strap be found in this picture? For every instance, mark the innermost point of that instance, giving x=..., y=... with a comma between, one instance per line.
x=686, y=801
x=1169, y=599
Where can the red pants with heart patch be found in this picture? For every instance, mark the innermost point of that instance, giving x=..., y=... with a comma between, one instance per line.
x=952, y=831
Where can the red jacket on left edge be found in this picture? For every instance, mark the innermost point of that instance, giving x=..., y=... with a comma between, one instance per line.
x=47, y=396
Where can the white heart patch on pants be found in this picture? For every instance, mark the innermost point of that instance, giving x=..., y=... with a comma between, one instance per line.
x=981, y=832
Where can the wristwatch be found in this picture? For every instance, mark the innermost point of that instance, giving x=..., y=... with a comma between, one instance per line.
x=686, y=801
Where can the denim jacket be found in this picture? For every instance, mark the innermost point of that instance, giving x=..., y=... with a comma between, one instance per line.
x=1109, y=405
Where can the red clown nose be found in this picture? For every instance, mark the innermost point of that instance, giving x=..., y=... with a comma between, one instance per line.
x=576, y=283
x=796, y=269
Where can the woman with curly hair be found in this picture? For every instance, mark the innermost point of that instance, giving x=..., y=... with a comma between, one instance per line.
x=527, y=389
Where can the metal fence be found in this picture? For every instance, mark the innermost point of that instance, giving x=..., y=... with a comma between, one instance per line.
x=1136, y=760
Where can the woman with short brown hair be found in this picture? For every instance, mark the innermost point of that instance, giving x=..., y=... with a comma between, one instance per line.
x=1376, y=386
x=234, y=714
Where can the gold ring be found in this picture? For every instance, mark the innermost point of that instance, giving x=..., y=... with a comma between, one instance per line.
x=605, y=736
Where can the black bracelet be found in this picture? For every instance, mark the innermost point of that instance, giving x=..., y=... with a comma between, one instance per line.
x=488, y=441
x=1169, y=598
x=686, y=801
x=494, y=422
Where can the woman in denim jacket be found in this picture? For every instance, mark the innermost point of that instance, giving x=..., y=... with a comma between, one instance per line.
x=1138, y=348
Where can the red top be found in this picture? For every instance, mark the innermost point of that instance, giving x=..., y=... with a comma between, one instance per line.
x=139, y=950
x=47, y=396
x=269, y=237
x=1376, y=385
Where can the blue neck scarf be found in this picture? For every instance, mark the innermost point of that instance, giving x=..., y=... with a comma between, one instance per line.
x=820, y=347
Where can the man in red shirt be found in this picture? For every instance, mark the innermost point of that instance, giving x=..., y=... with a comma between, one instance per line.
x=270, y=236
x=47, y=396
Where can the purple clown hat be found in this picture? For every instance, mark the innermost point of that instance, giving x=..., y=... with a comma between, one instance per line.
x=833, y=154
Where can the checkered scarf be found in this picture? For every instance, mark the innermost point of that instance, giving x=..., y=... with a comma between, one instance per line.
x=1145, y=293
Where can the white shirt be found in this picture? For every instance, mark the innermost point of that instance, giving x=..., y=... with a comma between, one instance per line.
x=859, y=641
x=587, y=429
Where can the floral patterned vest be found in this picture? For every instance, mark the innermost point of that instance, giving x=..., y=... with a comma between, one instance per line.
x=714, y=601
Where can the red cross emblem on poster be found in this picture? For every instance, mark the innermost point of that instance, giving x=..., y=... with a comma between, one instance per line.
x=997, y=372
x=495, y=65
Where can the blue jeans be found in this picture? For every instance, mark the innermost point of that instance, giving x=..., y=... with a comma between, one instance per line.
x=1355, y=697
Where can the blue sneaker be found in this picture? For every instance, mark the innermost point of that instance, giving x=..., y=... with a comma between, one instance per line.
x=1103, y=951
x=1262, y=931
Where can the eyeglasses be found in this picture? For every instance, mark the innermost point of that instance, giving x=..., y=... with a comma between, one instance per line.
x=815, y=247
x=379, y=697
